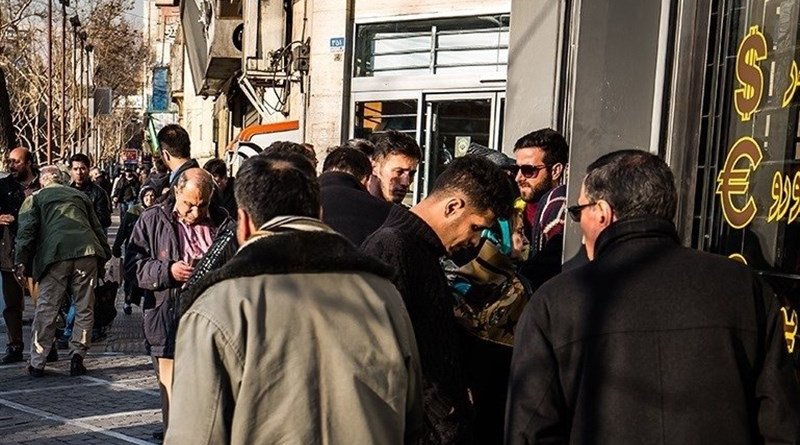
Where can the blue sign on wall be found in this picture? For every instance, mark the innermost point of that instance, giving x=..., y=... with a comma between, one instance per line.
x=160, y=100
x=337, y=44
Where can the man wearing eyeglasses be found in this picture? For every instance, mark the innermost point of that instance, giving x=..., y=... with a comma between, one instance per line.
x=650, y=342
x=542, y=158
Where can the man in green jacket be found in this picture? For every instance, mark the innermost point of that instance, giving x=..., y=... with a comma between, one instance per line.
x=61, y=244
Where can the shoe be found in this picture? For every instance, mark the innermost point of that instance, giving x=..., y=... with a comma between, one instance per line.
x=158, y=435
x=127, y=309
x=76, y=367
x=35, y=372
x=13, y=355
x=52, y=356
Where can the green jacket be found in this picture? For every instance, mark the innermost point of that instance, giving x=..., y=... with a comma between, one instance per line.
x=58, y=223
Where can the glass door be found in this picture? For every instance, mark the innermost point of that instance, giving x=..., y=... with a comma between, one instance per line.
x=452, y=123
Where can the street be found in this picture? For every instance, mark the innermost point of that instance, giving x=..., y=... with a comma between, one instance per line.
x=116, y=402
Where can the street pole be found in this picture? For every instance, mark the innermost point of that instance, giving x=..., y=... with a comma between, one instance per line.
x=63, y=141
x=49, y=81
x=89, y=95
x=81, y=116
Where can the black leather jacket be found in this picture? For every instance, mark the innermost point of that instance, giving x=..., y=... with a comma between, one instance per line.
x=99, y=200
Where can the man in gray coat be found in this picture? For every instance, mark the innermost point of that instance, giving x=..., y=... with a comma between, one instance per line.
x=300, y=338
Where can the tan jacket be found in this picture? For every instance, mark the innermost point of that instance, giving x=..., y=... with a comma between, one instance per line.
x=299, y=339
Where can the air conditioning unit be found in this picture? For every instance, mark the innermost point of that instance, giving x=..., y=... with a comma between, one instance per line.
x=209, y=28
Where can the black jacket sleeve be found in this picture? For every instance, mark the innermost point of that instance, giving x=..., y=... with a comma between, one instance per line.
x=102, y=207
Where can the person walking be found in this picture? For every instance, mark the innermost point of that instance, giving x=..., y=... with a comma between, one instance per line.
x=79, y=166
x=60, y=244
x=22, y=182
x=147, y=196
x=168, y=240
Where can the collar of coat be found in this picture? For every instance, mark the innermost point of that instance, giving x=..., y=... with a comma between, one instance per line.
x=629, y=229
x=295, y=245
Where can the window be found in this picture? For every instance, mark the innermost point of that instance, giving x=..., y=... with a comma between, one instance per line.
x=443, y=46
x=379, y=116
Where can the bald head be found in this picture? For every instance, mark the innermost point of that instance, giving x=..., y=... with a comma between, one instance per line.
x=193, y=195
x=20, y=163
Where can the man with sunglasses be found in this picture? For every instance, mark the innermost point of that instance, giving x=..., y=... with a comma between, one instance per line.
x=542, y=158
x=650, y=342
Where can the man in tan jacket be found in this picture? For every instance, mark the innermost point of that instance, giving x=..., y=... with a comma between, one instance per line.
x=300, y=338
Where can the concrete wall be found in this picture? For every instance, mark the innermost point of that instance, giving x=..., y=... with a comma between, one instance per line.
x=197, y=117
x=534, y=68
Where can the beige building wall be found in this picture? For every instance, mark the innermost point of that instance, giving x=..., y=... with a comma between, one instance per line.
x=327, y=110
x=197, y=117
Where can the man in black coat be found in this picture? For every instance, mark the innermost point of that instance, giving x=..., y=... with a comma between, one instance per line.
x=650, y=342
x=79, y=165
x=347, y=206
x=467, y=198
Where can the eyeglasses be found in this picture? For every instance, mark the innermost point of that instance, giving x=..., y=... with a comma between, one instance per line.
x=576, y=210
x=527, y=170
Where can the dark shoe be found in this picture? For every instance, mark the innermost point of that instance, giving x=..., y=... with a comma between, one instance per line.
x=35, y=372
x=76, y=366
x=158, y=435
x=13, y=355
x=52, y=356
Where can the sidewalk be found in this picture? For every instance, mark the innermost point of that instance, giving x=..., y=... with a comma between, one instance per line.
x=116, y=402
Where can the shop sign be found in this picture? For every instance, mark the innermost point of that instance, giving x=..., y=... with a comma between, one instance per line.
x=743, y=159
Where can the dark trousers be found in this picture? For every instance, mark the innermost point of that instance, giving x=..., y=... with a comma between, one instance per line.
x=15, y=304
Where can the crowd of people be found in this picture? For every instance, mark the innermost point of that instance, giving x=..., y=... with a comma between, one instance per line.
x=287, y=306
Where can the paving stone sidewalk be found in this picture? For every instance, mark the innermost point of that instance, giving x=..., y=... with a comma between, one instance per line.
x=116, y=402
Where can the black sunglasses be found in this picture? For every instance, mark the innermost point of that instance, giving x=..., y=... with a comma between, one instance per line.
x=527, y=170
x=576, y=210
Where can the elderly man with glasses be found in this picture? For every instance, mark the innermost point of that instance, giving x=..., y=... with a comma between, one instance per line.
x=542, y=158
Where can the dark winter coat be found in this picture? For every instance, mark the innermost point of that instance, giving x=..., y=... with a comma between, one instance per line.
x=100, y=202
x=412, y=248
x=158, y=181
x=227, y=198
x=153, y=247
x=127, y=190
x=652, y=343
x=348, y=208
x=12, y=194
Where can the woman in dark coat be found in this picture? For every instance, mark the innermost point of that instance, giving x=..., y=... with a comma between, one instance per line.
x=147, y=195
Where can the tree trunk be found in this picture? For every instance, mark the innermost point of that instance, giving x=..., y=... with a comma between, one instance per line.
x=8, y=137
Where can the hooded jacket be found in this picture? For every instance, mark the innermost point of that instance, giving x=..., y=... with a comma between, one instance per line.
x=654, y=343
x=298, y=339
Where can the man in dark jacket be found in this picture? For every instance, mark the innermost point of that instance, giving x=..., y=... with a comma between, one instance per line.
x=466, y=199
x=167, y=242
x=176, y=151
x=650, y=342
x=224, y=185
x=14, y=188
x=346, y=205
x=127, y=192
x=79, y=166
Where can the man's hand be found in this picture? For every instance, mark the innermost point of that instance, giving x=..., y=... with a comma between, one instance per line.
x=6, y=219
x=20, y=274
x=181, y=271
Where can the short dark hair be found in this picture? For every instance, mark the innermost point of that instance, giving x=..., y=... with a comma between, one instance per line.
x=393, y=142
x=635, y=183
x=348, y=160
x=552, y=143
x=289, y=147
x=80, y=157
x=270, y=186
x=485, y=185
x=362, y=145
x=216, y=167
x=175, y=140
